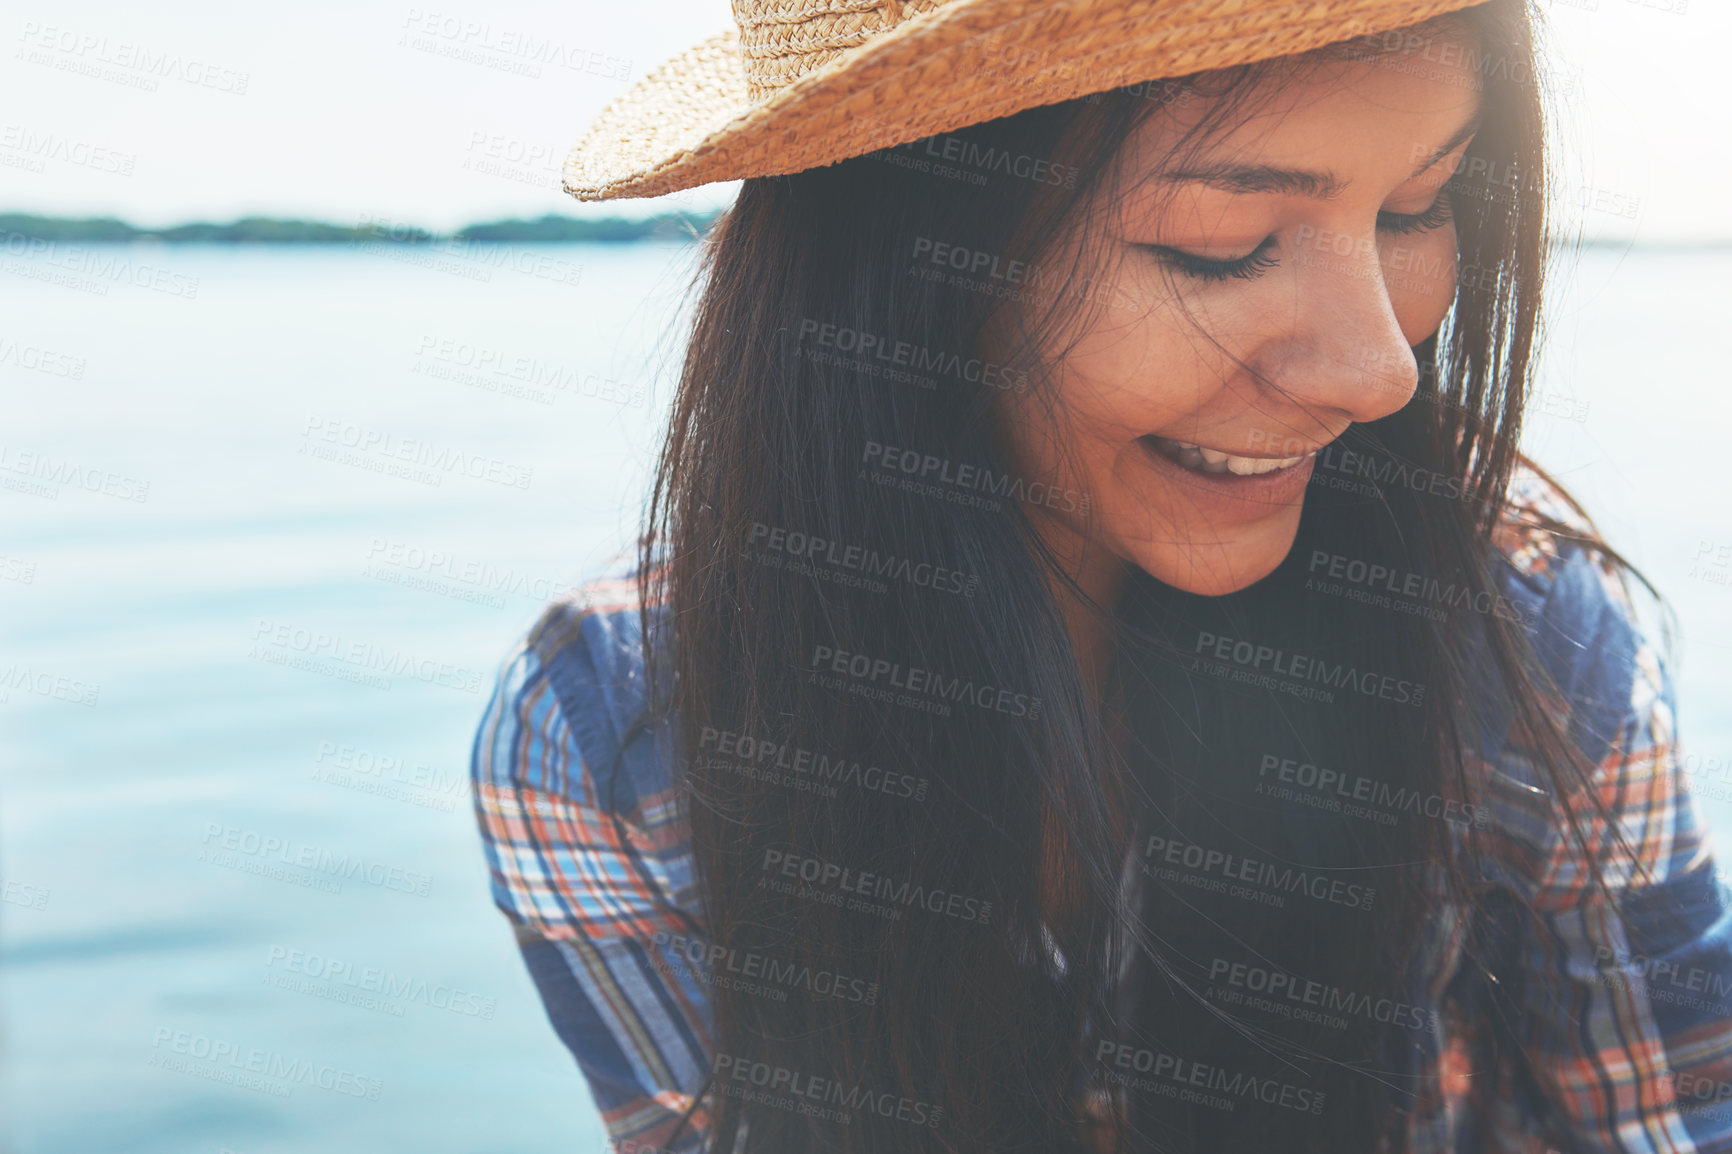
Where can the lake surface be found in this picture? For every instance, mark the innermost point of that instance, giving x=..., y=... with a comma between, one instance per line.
x=219, y=467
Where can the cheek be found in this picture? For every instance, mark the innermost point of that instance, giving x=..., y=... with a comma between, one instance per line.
x=1420, y=273
x=1113, y=384
x=1139, y=365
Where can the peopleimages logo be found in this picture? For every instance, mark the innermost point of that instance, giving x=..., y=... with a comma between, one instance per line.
x=812, y=549
x=986, y=158
x=306, y=972
x=1382, y=469
x=99, y=57
x=41, y=360
x=1338, y=792
x=1376, y=579
x=1200, y=1076
x=331, y=438
x=1712, y=561
x=869, y=347
x=24, y=894
x=740, y=969
x=926, y=468
x=844, y=880
x=1232, y=867
x=225, y=1061
x=1664, y=980
x=28, y=465
x=1284, y=993
x=499, y=370
x=921, y=688
x=44, y=684
x=819, y=1097
x=100, y=263
x=1280, y=663
x=278, y=641
x=762, y=753
x=231, y=846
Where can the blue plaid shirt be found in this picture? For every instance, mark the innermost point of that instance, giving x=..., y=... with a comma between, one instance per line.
x=1628, y=1022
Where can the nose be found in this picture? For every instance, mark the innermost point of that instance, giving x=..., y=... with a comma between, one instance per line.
x=1342, y=347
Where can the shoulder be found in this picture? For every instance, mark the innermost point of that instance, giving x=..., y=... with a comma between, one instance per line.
x=1601, y=1007
x=569, y=698
x=572, y=775
x=1573, y=596
x=588, y=854
x=1543, y=541
x=589, y=640
x=1601, y=674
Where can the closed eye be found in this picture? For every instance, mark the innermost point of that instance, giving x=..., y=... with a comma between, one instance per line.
x=1404, y=223
x=1253, y=263
x=1262, y=258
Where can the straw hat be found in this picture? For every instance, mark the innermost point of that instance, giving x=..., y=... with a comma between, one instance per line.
x=802, y=83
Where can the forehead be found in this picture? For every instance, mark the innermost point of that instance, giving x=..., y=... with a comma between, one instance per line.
x=1296, y=112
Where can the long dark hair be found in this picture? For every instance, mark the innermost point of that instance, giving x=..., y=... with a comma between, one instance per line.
x=897, y=780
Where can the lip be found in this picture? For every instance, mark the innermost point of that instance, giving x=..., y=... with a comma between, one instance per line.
x=1230, y=495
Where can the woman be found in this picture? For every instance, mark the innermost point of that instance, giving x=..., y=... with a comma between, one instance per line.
x=1098, y=674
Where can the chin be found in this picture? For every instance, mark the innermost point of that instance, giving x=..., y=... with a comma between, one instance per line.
x=1219, y=568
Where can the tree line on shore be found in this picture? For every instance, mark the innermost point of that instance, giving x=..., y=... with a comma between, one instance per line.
x=550, y=229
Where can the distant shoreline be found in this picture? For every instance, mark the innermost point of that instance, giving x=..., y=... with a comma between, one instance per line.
x=676, y=227
x=550, y=229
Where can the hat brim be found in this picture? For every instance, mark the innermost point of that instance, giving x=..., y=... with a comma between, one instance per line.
x=691, y=121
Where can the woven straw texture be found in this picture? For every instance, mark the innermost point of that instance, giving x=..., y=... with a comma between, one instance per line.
x=803, y=83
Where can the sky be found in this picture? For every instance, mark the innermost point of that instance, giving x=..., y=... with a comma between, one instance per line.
x=413, y=113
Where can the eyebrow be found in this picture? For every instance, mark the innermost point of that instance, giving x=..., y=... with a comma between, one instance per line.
x=1319, y=185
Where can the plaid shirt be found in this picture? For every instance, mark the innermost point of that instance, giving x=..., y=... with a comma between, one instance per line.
x=1625, y=1006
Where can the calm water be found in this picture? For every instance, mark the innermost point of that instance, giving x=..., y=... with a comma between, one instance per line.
x=271, y=518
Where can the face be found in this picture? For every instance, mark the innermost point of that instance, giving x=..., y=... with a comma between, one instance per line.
x=1262, y=293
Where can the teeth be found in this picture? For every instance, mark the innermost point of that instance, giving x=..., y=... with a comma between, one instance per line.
x=1215, y=462
x=1256, y=466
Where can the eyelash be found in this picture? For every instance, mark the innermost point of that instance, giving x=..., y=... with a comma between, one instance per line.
x=1260, y=259
x=1434, y=217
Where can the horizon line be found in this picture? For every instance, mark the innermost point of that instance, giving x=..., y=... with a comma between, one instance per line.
x=547, y=228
